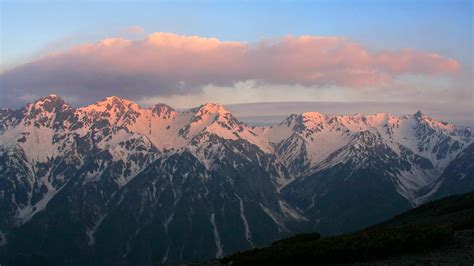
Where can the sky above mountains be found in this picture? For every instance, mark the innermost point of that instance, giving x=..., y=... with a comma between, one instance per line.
x=414, y=53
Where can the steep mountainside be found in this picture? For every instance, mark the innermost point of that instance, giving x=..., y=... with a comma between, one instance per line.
x=458, y=177
x=132, y=185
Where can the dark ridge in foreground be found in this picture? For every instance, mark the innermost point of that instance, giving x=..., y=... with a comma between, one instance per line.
x=439, y=232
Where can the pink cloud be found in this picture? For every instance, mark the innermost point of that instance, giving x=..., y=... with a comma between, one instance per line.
x=135, y=29
x=338, y=61
x=165, y=63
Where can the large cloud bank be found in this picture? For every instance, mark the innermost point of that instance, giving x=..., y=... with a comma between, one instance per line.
x=168, y=64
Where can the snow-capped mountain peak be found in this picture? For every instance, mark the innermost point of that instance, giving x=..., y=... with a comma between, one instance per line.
x=422, y=118
x=214, y=119
x=312, y=119
x=112, y=104
x=211, y=108
x=163, y=110
x=209, y=113
x=49, y=104
x=114, y=110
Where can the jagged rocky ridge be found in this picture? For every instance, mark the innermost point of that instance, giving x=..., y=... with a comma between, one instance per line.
x=133, y=185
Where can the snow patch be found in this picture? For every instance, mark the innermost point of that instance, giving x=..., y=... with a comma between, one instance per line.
x=168, y=221
x=409, y=182
x=165, y=257
x=248, y=234
x=26, y=213
x=217, y=238
x=3, y=239
x=290, y=212
x=275, y=217
x=90, y=232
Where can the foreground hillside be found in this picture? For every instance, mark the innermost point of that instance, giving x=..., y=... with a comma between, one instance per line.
x=439, y=232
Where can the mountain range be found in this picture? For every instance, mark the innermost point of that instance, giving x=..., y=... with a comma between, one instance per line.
x=116, y=184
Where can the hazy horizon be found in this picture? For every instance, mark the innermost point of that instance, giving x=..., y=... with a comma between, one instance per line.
x=271, y=113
